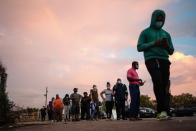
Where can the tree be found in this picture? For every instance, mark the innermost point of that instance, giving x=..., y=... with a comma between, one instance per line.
x=145, y=101
x=5, y=103
x=185, y=99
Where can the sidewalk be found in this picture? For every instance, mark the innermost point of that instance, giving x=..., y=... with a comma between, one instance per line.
x=148, y=124
x=21, y=124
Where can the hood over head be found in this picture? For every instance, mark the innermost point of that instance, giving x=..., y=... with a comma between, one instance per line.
x=154, y=17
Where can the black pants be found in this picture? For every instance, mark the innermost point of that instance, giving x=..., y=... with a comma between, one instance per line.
x=85, y=112
x=135, y=100
x=58, y=114
x=109, y=107
x=43, y=116
x=50, y=114
x=75, y=111
x=120, y=108
x=168, y=102
x=160, y=72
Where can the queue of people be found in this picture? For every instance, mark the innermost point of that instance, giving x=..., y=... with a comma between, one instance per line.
x=157, y=45
x=86, y=107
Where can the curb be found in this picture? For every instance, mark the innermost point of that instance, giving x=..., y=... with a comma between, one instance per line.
x=21, y=125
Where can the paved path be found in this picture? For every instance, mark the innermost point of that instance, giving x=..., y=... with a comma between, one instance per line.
x=176, y=124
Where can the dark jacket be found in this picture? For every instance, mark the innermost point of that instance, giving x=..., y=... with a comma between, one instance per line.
x=85, y=102
x=66, y=101
x=120, y=91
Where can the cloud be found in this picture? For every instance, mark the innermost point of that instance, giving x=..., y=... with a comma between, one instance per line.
x=183, y=73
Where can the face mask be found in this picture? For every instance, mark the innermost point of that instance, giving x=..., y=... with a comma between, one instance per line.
x=118, y=82
x=159, y=24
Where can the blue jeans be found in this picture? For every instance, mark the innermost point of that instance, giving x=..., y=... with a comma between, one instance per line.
x=135, y=100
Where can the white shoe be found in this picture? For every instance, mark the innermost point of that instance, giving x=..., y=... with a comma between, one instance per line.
x=163, y=116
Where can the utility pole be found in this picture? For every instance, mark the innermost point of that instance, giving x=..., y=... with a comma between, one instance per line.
x=46, y=95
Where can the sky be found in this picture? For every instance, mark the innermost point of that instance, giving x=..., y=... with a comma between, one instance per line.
x=63, y=44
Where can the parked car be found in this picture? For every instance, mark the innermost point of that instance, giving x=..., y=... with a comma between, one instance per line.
x=182, y=111
x=193, y=109
x=146, y=112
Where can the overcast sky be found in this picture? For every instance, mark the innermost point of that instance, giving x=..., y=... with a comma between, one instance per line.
x=62, y=44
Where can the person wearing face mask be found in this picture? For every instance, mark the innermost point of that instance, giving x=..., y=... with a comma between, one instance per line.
x=134, y=83
x=120, y=95
x=108, y=100
x=156, y=44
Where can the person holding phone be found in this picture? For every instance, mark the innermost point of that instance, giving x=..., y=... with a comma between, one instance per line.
x=157, y=45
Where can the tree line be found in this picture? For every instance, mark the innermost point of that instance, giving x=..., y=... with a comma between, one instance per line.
x=176, y=101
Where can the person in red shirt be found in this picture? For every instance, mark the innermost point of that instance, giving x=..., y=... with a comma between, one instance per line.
x=134, y=83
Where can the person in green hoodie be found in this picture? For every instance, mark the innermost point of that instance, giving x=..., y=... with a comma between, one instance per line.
x=156, y=44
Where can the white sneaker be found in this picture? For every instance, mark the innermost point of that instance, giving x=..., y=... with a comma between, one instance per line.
x=163, y=116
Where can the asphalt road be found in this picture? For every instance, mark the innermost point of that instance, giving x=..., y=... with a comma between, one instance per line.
x=176, y=124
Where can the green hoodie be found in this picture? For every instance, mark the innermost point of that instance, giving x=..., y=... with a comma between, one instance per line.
x=149, y=36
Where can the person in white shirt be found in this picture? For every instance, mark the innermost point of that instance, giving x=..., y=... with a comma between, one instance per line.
x=108, y=99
